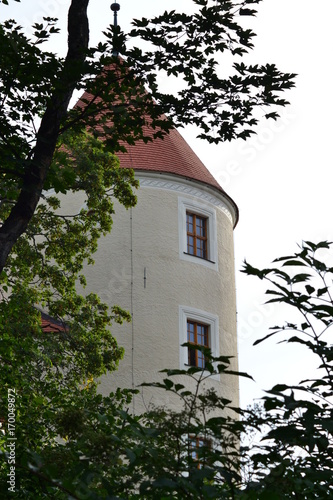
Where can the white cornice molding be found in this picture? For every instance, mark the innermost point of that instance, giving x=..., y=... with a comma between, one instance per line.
x=191, y=188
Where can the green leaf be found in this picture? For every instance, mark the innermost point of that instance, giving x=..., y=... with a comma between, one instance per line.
x=131, y=455
x=247, y=12
x=164, y=483
x=240, y=374
x=309, y=289
x=279, y=388
x=298, y=278
x=179, y=387
x=168, y=383
x=323, y=307
x=316, y=246
x=256, y=342
x=293, y=263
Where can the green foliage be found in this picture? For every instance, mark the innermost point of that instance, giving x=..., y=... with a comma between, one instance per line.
x=108, y=453
x=189, y=47
x=53, y=371
x=47, y=263
x=27, y=74
x=196, y=452
x=295, y=456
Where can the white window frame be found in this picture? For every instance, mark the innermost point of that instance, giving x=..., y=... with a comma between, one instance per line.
x=212, y=320
x=187, y=205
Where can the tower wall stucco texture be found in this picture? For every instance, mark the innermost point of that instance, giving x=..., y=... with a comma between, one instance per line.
x=140, y=267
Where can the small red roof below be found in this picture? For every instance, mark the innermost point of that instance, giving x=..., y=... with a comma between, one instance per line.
x=50, y=325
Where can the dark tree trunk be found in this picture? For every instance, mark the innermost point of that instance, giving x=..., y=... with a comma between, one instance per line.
x=37, y=169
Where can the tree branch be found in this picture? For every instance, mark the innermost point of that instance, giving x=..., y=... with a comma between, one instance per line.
x=37, y=169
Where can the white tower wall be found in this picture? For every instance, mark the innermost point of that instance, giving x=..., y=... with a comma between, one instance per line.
x=141, y=266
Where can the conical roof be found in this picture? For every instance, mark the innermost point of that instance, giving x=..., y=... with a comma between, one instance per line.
x=170, y=155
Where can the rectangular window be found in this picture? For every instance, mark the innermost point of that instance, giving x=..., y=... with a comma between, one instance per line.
x=199, y=328
x=196, y=228
x=198, y=335
x=199, y=447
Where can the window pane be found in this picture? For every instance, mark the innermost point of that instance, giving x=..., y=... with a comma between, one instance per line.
x=193, y=446
x=190, y=332
x=199, y=249
x=192, y=357
x=189, y=221
x=190, y=245
x=201, y=360
x=202, y=335
x=204, y=249
x=200, y=226
x=206, y=339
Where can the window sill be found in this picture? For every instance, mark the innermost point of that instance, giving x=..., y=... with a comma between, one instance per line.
x=206, y=373
x=198, y=257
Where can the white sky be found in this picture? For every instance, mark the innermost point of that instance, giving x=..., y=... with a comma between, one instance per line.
x=281, y=179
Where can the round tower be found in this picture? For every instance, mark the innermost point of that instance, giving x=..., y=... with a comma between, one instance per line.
x=170, y=262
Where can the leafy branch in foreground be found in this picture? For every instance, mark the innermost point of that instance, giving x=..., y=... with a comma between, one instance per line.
x=108, y=453
x=197, y=450
x=294, y=459
x=36, y=87
x=48, y=367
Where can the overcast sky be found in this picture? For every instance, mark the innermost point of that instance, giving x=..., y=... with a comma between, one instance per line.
x=281, y=179
x=283, y=185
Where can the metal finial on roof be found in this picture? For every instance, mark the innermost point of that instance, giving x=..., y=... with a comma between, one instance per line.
x=115, y=7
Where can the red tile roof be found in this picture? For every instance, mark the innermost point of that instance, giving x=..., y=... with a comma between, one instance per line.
x=170, y=155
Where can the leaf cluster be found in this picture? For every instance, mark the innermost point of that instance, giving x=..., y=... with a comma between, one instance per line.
x=197, y=451
x=108, y=453
x=189, y=47
x=54, y=369
x=295, y=455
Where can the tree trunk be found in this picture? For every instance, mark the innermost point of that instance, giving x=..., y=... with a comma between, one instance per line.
x=46, y=140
